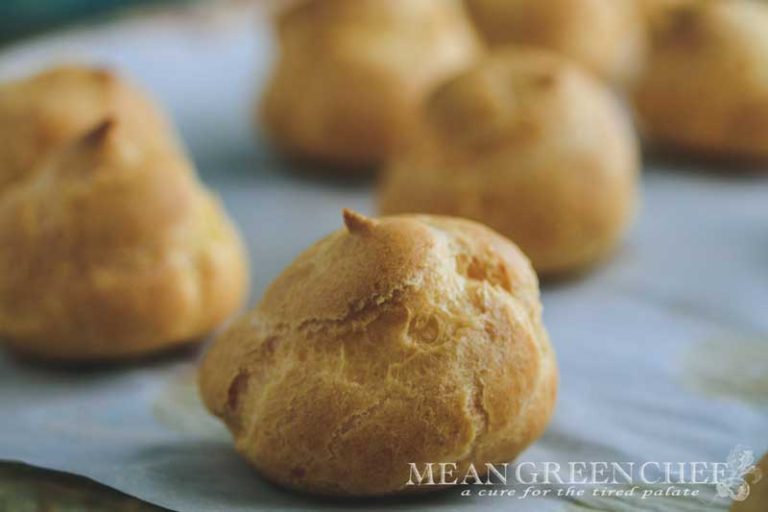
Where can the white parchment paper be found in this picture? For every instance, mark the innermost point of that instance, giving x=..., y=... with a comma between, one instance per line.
x=663, y=352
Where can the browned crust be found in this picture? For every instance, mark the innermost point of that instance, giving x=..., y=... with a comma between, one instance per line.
x=531, y=146
x=350, y=74
x=111, y=247
x=417, y=339
x=705, y=90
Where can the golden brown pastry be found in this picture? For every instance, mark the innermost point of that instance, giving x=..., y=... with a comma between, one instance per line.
x=705, y=89
x=396, y=340
x=350, y=74
x=606, y=36
x=111, y=249
x=40, y=113
x=656, y=10
x=530, y=145
x=757, y=501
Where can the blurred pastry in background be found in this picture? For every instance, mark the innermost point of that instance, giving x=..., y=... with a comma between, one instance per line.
x=705, y=89
x=606, y=36
x=531, y=145
x=351, y=73
x=386, y=343
x=757, y=500
x=40, y=113
x=656, y=10
x=112, y=249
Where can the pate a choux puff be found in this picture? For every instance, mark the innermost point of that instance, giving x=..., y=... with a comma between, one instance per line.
x=532, y=146
x=705, y=89
x=396, y=340
x=606, y=36
x=113, y=249
x=656, y=10
x=40, y=113
x=350, y=74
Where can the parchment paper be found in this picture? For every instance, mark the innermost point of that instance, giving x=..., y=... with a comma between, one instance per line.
x=663, y=351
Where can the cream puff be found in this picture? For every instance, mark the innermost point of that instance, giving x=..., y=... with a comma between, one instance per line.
x=606, y=36
x=350, y=74
x=113, y=249
x=534, y=147
x=705, y=89
x=406, y=339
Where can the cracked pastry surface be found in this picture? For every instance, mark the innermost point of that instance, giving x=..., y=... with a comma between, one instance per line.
x=394, y=340
x=705, y=88
x=605, y=36
x=350, y=73
x=530, y=145
x=113, y=249
x=40, y=113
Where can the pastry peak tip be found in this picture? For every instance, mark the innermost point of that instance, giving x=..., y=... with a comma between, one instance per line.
x=97, y=135
x=357, y=222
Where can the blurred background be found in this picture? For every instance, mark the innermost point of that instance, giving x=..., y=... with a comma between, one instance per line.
x=20, y=18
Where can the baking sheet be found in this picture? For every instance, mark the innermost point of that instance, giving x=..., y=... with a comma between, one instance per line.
x=663, y=351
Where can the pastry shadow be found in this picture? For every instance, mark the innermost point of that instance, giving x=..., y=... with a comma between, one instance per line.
x=187, y=351
x=321, y=173
x=594, y=270
x=712, y=165
x=211, y=472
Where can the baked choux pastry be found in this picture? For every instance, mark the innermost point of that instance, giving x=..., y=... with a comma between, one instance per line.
x=113, y=249
x=705, y=89
x=40, y=113
x=606, y=36
x=530, y=145
x=656, y=10
x=351, y=73
x=408, y=339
